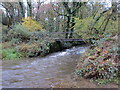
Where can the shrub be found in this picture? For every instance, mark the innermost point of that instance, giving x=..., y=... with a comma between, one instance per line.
x=100, y=62
x=93, y=28
x=10, y=54
x=31, y=25
x=4, y=33
x=98, y=67
x=4, y=29
x=33, y=48
x=19, y=31
x=27, y=49
x=81, y=27
x=112, y=27
x=15, y=41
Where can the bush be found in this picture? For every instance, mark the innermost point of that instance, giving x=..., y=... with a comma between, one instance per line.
x=10, y=54
x=4, y=33
x=19, y=31
x=15, y=41
x=82, y=27
x=112, y=27
x=101, y=62
x=98, y=67
x=33, y=48
x=28, y=49
x=31, y=25
x=93, y=28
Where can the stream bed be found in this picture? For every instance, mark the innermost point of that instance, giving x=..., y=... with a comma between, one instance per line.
x=55, y=70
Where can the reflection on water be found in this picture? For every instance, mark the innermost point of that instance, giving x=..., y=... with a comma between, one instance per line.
x=54, y=70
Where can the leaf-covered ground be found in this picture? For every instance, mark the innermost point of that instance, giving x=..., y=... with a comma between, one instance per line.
x=101, y=62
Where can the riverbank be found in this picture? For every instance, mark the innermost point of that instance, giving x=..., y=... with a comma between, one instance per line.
x=55, y=70
x=23, y=43
x=12, y=51
x=100, y=63
x=42, y=72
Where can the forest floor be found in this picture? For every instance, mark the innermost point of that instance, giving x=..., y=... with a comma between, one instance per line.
x=101, y=62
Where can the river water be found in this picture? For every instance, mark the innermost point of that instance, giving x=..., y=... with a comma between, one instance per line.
x=54, y=70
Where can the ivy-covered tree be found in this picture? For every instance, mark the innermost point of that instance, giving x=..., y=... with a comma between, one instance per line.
x=71, y=9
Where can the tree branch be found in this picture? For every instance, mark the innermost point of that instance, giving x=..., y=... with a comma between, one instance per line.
x=60, y=14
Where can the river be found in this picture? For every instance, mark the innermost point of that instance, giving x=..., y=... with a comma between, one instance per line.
x=54, y=70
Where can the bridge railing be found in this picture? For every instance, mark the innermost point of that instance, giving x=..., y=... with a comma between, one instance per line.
x=56, y=36
x=61, y=35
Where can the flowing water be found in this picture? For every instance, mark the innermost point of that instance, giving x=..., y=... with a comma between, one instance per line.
x=54, y=70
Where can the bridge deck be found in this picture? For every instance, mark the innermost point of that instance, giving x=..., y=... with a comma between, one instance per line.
x=70, y=39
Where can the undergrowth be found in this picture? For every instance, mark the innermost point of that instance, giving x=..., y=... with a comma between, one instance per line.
x=101, y=63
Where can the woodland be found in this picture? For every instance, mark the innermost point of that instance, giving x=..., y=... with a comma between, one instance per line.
x=35, y=29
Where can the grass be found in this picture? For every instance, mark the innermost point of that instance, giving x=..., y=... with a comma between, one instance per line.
x=10, y=54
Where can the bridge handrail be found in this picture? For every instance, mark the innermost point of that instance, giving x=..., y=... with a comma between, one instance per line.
x=61, y=32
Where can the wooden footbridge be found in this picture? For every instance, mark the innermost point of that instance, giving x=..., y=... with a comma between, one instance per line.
x=60, y=36
x=70, y=39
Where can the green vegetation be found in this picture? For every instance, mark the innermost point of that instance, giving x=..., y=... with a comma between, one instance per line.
x=35, y=34
x=31, y=24
x=101, y=62
x=106, y=81
x=10, y=54
x=24, y=41
x=90, y=28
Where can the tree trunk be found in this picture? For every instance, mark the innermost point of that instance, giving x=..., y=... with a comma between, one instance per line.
x=68, y=26
x=29, y=8
x=18, y=14
x=22, y=9
x=37, y=14
x=107, y=22
x=72, y=27
x=57, y=23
